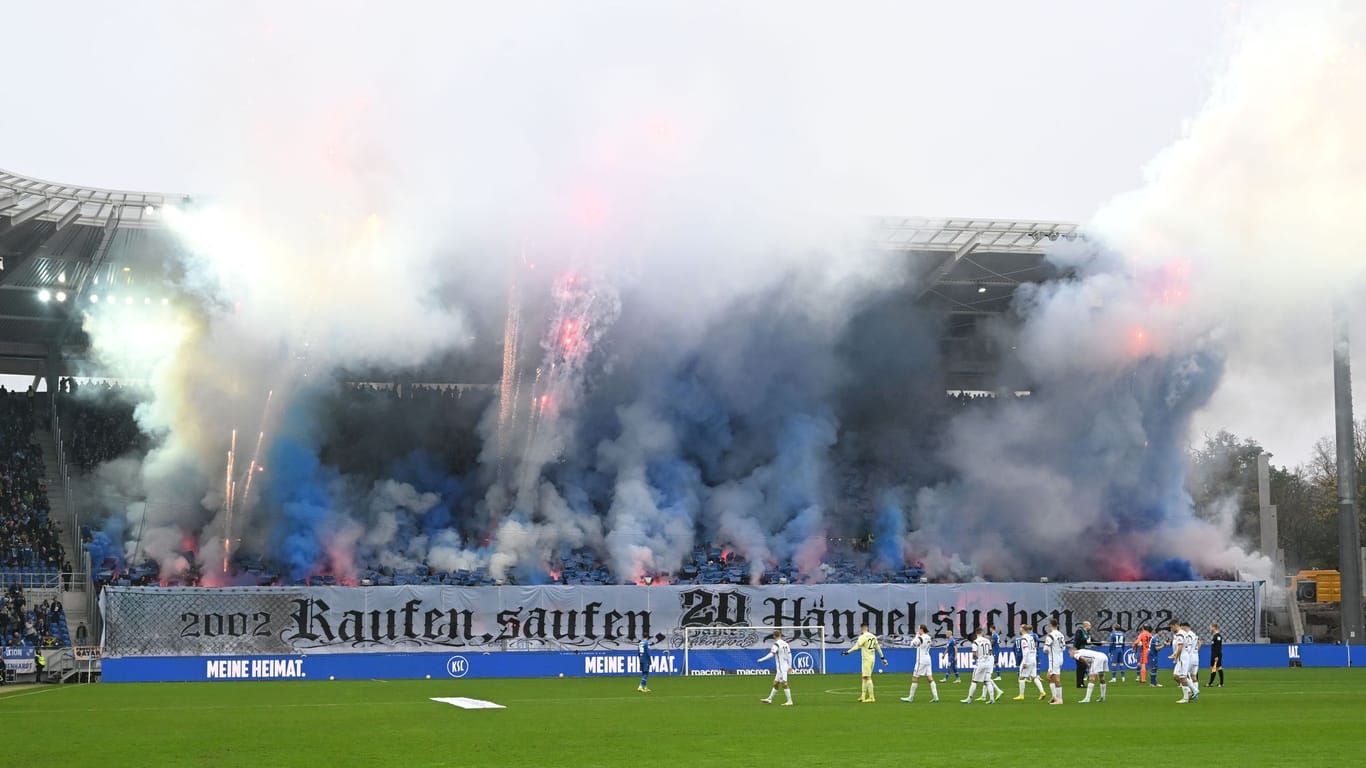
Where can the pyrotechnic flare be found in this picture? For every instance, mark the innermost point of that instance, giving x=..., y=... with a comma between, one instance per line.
x=584, y=309
x=507, y=391
x=228, y=489
x=256, y=454
x=251, y=468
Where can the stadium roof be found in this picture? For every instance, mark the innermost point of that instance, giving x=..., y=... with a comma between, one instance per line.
x=74, y=241
x=69, y=241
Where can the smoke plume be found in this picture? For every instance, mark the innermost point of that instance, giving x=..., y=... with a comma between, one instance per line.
x=703, y=349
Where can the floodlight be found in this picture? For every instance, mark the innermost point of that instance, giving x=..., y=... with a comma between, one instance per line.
x=44, y=295
x=94, y=298
x=61, y=296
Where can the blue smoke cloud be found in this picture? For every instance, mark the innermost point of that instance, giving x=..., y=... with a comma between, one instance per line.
x=889, y=533
x=299, y=486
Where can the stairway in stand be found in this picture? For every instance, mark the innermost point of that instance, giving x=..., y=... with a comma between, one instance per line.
x=75, y=603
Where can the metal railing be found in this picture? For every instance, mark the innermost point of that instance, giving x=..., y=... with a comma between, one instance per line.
x=64, y=479
x=79, y=581
x=28, y=580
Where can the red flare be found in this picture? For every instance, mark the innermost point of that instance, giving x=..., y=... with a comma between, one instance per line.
x=1139, y=342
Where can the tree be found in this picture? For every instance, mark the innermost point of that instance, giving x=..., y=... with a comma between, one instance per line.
x=1307, y=513
x=1306, y=497
x=1322, y=473
x=1225, y=468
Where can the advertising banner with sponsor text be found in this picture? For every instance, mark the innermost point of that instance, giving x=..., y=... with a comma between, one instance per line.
x=454, y=667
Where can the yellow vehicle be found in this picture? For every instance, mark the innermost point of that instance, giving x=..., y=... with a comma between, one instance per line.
x=1317, y=586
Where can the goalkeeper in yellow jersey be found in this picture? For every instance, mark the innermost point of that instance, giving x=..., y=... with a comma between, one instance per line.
x=867, y=643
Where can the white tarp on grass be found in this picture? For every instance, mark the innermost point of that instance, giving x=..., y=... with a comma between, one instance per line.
x=464, y=703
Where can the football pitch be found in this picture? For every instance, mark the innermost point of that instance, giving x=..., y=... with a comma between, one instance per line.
x=1295, y=717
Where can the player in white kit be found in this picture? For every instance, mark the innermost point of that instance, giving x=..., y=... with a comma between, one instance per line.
x=781, y=653
x=1189, y=663
x=983, y=668
x=1097, y=664
x=1054, y=645
x=921, y=644
x=1029, y=662
x=1178, y=657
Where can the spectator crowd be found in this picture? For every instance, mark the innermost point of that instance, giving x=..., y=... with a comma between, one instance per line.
x=30, y=543
x=41, y=625
x=98, y=425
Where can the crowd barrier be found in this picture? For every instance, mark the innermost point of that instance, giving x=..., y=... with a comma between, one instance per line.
x=504, y=664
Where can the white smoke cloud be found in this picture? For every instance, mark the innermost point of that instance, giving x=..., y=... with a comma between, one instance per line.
x=1252, y=217
x=1228, y=255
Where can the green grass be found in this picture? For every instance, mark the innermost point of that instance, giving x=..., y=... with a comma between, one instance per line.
x=1309, y=717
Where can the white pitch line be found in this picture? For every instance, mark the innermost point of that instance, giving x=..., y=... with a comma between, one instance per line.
x=324, y=705
x=29, y=693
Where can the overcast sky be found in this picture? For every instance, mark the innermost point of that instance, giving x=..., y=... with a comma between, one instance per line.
x=1020, y=110
x=1005, y=109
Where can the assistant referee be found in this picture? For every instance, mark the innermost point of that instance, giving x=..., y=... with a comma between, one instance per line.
x=1216, y=655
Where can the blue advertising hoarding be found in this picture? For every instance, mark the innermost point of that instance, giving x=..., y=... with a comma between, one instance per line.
x=394, y=666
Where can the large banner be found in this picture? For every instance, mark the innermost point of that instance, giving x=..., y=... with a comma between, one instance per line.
x=249, y=621
x=21, y=660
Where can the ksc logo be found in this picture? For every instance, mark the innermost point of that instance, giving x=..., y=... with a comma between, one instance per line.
x=457, y=666
x=1131, y=659
x=803, y=662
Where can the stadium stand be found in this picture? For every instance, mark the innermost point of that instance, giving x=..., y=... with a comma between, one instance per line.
x=99, y=426
x=32, y=557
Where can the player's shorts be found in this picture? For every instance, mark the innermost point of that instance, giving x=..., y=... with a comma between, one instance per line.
x=1029, y=668
x=922, y=669
x=983, y=671
x=780, y=676
x=868, y=666
x=1193, y=668
x=1055, y=665
x=1098, y=667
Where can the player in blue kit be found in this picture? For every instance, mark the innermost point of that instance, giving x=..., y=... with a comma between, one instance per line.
x=951, y=651
x=1117, y=648
x=1154, y=645
x=644, y=650
x=995, y=644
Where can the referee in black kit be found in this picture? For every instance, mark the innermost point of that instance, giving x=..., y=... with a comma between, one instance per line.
x=1080, y=639
x=1216, y=655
